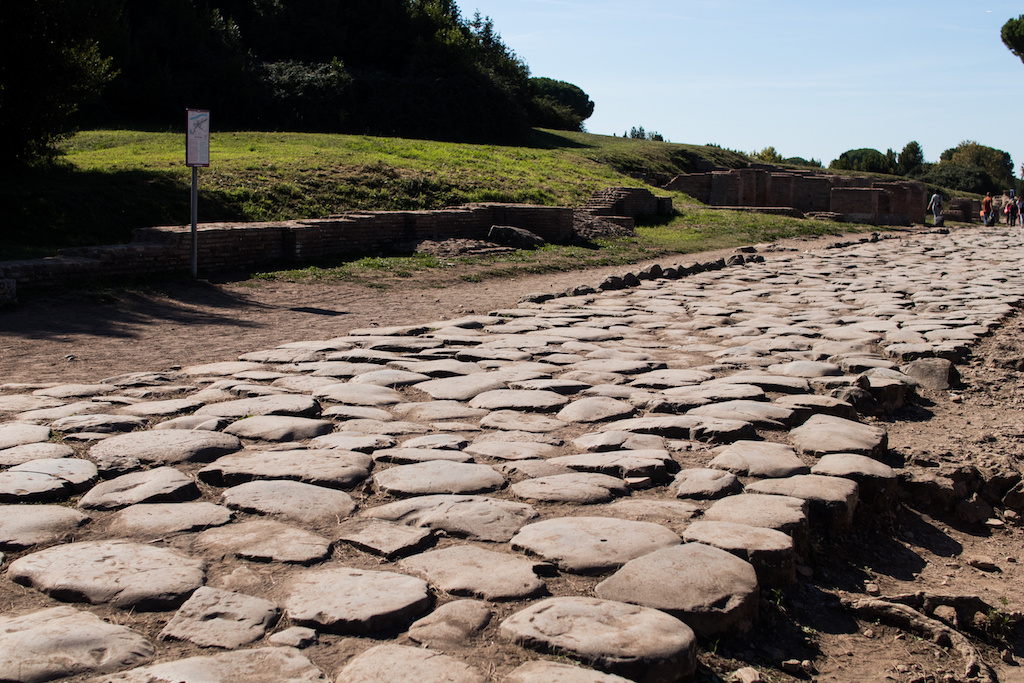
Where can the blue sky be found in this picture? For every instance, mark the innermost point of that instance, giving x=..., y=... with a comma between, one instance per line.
x=810, y=78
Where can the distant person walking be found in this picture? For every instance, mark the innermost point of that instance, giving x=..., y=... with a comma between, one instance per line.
x=1011, y=212
x=986, y=209
x=935, y=206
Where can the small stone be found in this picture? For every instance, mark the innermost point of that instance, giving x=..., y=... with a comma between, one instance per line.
x=984, y=563
x=297, y=636
x=218, y=618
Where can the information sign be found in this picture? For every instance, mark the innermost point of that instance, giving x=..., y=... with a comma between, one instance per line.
x=197, y=148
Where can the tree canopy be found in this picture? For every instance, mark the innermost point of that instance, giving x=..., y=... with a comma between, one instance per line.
x=414, y=68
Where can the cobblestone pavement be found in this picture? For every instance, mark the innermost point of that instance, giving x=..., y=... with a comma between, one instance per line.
x=603, y=482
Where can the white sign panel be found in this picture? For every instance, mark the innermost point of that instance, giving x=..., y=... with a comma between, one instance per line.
x=197, y=147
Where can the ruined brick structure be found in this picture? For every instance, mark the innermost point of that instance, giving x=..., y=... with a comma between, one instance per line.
x=859, y=199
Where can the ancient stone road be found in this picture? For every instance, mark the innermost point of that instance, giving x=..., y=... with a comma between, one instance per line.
x=613, y=476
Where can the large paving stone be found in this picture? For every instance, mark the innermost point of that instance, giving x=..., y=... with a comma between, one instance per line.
x=438, y=477
x=323, y=467
x=164, y=408
x=674, y=514
x=712, y=590
x=477, y=518
x=705, y=483
x=453, y=624
x=472, y=571
x=260, y=665
x=689, y=427
x=168, y=446
x=876, y=481
x=17, y=455
x=355, y=601
x=463, y=387
x=591, y=544
x=823, y=434
x=279, y=428
x=640, y=463
x=156, y=520
x=437, y=411
x=407, y=456
x=160, y=485
x=22, y=526
x=123, y=574
x=265, y=541
x=516, y=420
x=380, y=537
x=359, y=394
x=833, y=500
x=282, y=404
x=391, y=662
x=770, y=552
x=595, y=409
x=62, y=641
x=544, y=671
x=636, y=642
x=518, y=399
x=782, y=513
x=584, y=488
x=761, y=414
x=97, y=423
x=759, y=459
x=18, y=434
x=291, y=500
x=511, y=451
x=213, y=617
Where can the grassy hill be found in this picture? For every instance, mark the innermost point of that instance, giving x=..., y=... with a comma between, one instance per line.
x=108, y=182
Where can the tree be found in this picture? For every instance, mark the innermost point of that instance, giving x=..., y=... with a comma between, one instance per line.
x=768, y=155
x=50, y=65
x=559, y=105
x=866, y=160
x=911, y=159
x=995, y=162
x=1013, y=36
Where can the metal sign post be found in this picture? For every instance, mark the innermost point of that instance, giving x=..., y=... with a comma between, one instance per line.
x=197, y=153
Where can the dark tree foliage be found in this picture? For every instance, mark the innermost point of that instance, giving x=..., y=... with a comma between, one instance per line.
x=50, y=66
x=560, y=105
x=961, y=177
x=1013, y=36
x=911, y=159
x=971, y=167
x=866, y=160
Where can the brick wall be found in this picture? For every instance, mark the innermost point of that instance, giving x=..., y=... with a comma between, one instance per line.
x=232, y=246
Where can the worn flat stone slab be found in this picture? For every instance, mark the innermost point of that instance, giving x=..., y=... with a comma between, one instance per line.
x=32, y=487
x=876, y=481
x=477, y=518
x=804, y=406
x=544, y=671
x=355, y=601
x=167, y=446
x=213, y=617
x=452, y=624
x=516, y=471
x=77, y=474
x=595, y=409
x=584, y=488
x=290, y=500
x=688, y=427
x=123, y=574
x=23, y=526
x=380, y=537
x=511, y=451
x=518, y=399
x=673, y=514
x=350, y=441
x=464, y=387
x=759, y=459
x=203, y=423
x=155, y=520
x=768, y=382
x=19, y=434
x=160, y=485
x=17, y=455
x=359, y=394
x=585, y=545
x=782, y=513
x=75, y=390
x=449, y=441
x=265, y=541
x=636, y=642
x=761, y=414
x=62, y=641
x=222, y=369
x=823, y=434
x=472, y=571
x=770, y=552
x=388, y=428
x=279, y=428
x=164, y=408
x=705, y=483
x=833, y=500
x=390, y=377
x=262, y=665
x=97, y=423
x=405, y=456
x=22, y=403
x=390, y=662
x=514, y=420
x=323, y=467
x=615, y=441
x=437, y=411
x=713, y=591
x=47, y=415
x=437, y=477
x=651, y=463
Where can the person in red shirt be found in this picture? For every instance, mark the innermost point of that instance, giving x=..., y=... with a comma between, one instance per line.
x=986, y=209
